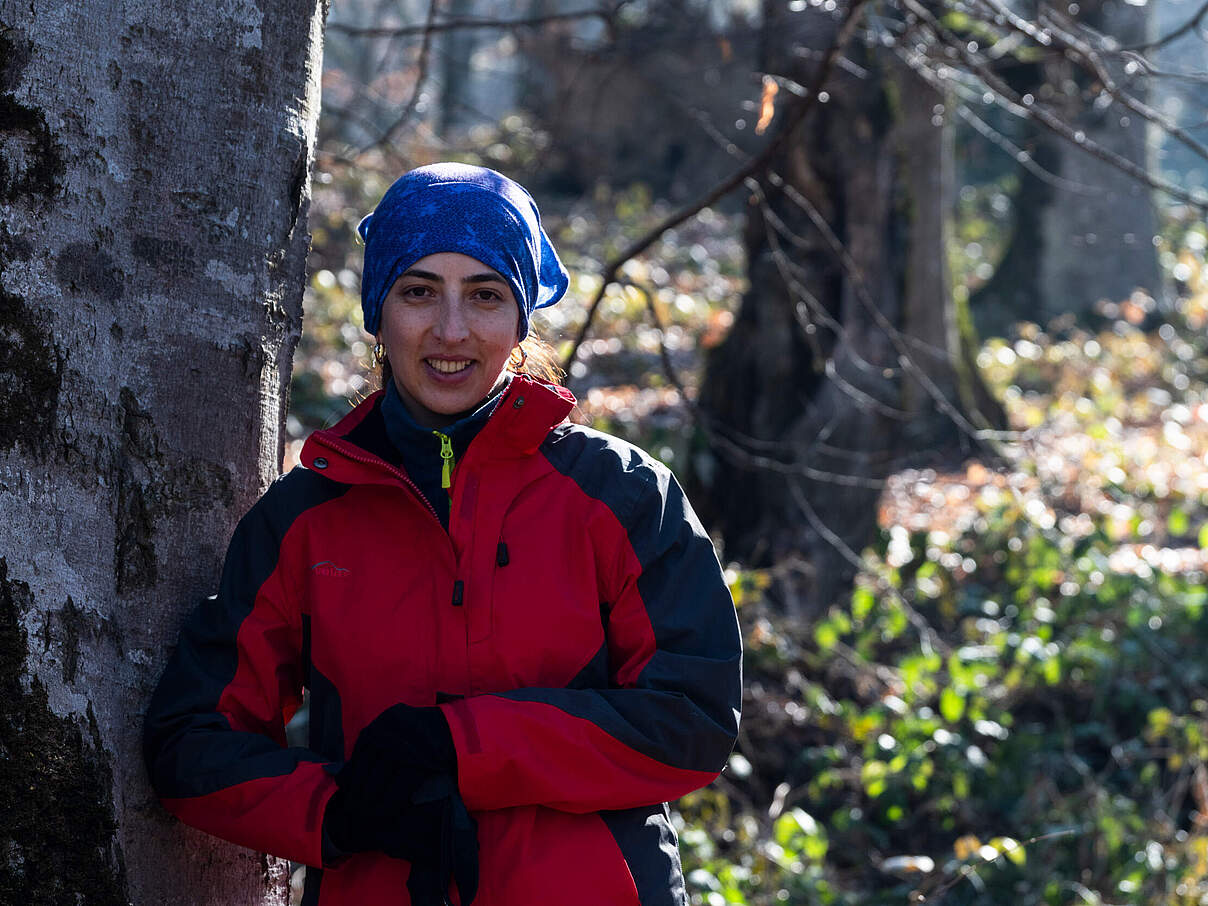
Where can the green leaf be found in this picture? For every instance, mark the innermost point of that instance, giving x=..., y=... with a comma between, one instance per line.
x=952, y=705
x=873, y=775
x=1052, y=671
x=1204, y=536
x=1179, y=522
x=798, y=832
x=862, y=602
x=826, y=636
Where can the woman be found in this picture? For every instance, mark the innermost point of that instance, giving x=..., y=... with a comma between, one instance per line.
x=515, y=633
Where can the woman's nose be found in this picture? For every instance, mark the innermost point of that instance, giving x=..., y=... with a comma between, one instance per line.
x=451, y=324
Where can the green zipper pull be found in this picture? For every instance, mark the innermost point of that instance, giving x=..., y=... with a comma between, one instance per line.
x=446, y=460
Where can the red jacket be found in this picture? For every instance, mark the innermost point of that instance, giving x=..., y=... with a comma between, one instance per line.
x=573, y=625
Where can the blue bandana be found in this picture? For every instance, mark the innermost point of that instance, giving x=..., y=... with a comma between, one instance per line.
x=459, y=208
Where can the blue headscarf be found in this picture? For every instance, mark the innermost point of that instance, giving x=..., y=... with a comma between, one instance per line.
x=459, y=208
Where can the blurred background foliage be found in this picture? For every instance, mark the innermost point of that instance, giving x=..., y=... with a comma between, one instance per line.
x=1008, y=703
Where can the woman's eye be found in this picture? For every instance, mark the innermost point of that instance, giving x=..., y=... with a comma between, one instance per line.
x=418, y=291
x=487, y=295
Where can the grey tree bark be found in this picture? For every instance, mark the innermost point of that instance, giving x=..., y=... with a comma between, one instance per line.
x=846, y=257
x=154, y=185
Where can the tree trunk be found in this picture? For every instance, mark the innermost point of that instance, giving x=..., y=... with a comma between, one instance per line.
x=1083, y=229
x=154, y=184
x=456, y=62
x=812, y=370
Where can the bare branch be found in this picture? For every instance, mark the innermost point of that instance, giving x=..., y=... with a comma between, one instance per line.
x=471, y=22
x=1087, y=55
x=1020, y=156
x=1190, y=25
x=1198, y=78
x=737, y=446
x=1047, y=118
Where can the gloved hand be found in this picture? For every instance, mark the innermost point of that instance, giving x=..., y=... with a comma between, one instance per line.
x=398, y=794
x=457, y=860
x=400, y=750
x=415, y=737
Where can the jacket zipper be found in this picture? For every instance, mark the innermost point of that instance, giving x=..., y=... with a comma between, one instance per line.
x=446, y=459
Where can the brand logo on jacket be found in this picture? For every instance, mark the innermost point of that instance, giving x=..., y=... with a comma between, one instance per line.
x=327, y=568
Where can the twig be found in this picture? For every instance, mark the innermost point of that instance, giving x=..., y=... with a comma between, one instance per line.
x=964, y=870
x=406, y=31
x=929, y=639
x=1020, y=156
x=1198, y=78
x=1183, y=29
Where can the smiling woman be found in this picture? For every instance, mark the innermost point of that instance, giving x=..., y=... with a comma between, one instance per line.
x=448, y=328
x=515, y=633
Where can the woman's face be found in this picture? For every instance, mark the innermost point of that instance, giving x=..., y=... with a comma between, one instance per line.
x=449, y=324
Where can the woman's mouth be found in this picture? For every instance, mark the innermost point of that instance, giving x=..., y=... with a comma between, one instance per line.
x=449, y=366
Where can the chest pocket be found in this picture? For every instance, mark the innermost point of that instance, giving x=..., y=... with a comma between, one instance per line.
x=544, y=622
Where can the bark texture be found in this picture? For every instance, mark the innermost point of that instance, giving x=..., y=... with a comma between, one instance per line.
x=811, y=374
x=154, y=183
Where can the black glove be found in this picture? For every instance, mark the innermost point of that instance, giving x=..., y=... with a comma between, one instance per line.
x=397, y=753
x=457, y=859
x=415, y=737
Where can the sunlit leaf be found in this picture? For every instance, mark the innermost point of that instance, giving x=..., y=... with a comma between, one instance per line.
x=1178, y=523
x=873, y=775
x=952, y=705
x=1011, y=848
x=826, y=636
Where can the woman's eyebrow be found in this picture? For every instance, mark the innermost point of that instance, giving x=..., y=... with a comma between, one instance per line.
x=423, y=275
x=437, y=278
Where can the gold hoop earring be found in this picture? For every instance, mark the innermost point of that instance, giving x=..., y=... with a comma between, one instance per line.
x=379, y=354
x=518, y=364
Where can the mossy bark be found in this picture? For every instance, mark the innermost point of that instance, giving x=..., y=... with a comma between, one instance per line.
x=154, y=164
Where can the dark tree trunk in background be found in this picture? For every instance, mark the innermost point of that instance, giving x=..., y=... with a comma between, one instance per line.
x=154, y=185
x=456, y=50
x=807, y=368
x=1084, y=232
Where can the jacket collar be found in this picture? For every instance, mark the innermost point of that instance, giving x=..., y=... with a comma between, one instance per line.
x=356, y=449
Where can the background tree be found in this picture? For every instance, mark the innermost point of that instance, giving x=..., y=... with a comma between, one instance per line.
x=1082, y=228
x=154, y=188
x=845, y=360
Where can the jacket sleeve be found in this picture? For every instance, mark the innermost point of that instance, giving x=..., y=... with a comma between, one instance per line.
x=214, y=736
x=668, y=718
